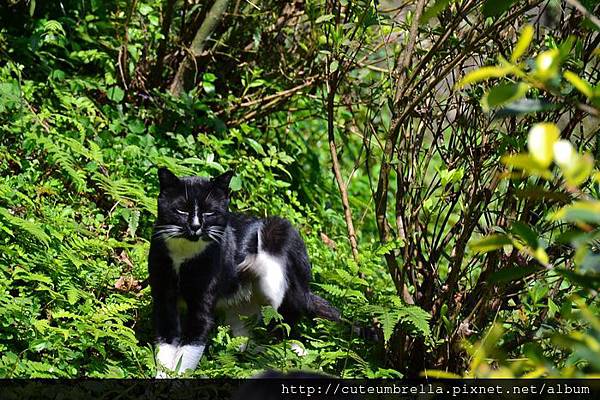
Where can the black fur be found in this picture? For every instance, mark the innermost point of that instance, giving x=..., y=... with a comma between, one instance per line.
x=194, y=209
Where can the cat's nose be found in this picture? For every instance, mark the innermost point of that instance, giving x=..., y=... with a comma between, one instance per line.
x=195, y=228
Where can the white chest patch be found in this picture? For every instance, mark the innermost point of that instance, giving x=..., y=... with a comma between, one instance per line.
x=181, y=249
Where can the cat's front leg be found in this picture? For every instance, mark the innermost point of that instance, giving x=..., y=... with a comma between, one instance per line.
x=167, y=334
x=165, y=315
x=198, y=323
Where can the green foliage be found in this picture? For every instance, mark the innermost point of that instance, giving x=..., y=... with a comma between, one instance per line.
x=471, y=233
x=78, y=186
x=575, y=175
x=408, y=316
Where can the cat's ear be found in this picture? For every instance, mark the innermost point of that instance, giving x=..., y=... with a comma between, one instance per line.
x=222, y=181
x=166, y=178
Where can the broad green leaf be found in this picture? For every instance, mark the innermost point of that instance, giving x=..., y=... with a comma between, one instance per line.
x=523, y=43
x=525, y=106
x=145, y=9
x=434, y=10
x=502, y=94
x=333, y=66
x=538, y=291
x=490, y=243
x=133, y=222
x=512, y=274
x=235, y=184
x=492, y=8
x=116, y=94
x=552, y=308
x=581, y=85
x=524, y=232
x=580, y=211
x=586, y=281
x=484, y=73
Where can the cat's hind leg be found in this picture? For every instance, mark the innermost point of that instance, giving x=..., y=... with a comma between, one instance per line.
x=239, y=318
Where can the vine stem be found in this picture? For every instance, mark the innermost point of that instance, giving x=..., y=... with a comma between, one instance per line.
x=336, y=168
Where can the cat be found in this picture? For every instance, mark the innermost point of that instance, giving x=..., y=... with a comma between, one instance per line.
x=213, y=259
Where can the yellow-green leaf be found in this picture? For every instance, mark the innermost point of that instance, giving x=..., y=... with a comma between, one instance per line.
x=541, y=255
x=580, y=211
x=439, y=374
x=526, y=163
x=490, y=243
x=547, y=64
x=581, y=85
x=540, y=142
x=484, y=73
x=523, y=43
x=565, y=155
x=581, y=171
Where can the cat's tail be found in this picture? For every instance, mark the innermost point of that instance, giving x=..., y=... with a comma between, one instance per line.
x=319, y=307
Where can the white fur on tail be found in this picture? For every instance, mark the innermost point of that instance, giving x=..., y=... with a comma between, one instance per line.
x=271, y=273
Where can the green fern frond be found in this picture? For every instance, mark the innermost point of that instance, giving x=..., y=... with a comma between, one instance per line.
x=332, y=289
x=30, y=227
x=61, y=157
x=125, y=191
x=414, y=316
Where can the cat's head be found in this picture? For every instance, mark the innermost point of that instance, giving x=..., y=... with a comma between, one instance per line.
x=192, y=207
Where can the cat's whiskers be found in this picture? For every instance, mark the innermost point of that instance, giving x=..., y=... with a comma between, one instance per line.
x=167, y=226
x=161, y=231
x=168, y=236
x=167, y=231
x=216, y=233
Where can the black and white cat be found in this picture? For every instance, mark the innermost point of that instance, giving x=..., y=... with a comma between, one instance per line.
x=214, y=259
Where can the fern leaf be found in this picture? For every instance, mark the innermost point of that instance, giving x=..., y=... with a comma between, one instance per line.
x=28, y=226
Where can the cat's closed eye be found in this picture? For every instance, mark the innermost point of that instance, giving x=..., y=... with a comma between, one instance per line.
x=182, y=212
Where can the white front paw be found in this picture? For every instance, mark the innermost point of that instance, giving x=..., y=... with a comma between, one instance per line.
x=188, y=357
x=165, y=359
x=161, y=375
x=242, y=347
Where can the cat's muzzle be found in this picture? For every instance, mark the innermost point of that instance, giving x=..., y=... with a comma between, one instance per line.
x=196, y=235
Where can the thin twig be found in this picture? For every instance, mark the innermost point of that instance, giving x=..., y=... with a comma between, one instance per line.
x=577, y=5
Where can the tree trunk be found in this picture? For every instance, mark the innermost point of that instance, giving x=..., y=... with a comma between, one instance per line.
x=167, y=18
x=209, y=24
